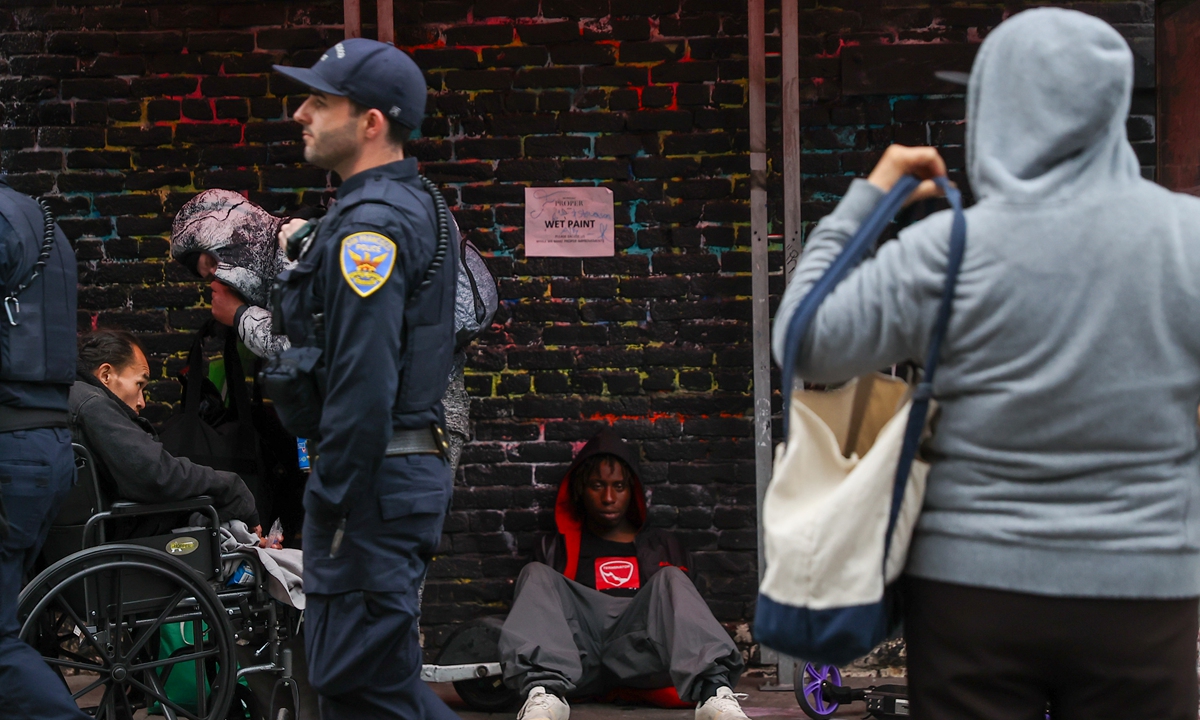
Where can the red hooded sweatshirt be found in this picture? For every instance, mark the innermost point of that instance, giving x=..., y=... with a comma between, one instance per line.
x=656, y=548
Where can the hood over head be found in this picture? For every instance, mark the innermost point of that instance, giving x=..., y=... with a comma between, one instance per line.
x=239, y=233
x=1046, y=107
x=567, y=516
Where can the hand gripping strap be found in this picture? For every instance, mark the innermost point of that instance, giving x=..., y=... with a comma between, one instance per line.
x=852, y=254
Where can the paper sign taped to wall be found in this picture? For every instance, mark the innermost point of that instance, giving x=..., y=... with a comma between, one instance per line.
x=568, y=222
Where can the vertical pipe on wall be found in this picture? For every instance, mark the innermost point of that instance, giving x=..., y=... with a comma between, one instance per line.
x=385, y=20
x=760, y=308
x=353, y=18
x=790, y=30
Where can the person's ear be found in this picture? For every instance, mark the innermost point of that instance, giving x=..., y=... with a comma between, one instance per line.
x=105, y=372
x=376, y=123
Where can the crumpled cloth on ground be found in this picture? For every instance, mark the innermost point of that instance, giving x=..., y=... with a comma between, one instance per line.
x=284, y=567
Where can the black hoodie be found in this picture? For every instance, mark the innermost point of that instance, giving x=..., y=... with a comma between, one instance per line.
x=134, y=466
x=656, y=548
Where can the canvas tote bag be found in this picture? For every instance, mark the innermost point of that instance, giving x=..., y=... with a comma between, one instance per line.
x=846, y=490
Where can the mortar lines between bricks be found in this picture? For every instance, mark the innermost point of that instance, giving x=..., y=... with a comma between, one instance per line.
x=120, y=111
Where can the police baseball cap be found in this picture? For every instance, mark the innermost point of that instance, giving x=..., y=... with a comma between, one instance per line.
x=370, y=73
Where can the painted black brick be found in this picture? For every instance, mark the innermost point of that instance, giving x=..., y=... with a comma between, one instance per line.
x=646, y=97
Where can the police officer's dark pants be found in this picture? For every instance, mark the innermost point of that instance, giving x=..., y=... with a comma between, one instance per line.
x=576, y=641
x=980, y=654
x=364, y=653
x=37, y=469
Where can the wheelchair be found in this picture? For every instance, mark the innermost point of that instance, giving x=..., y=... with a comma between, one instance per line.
x=99, y=613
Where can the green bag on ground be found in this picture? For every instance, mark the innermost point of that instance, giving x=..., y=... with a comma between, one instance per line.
x=180, y=686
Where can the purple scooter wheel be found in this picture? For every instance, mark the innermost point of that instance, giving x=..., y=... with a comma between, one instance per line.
x=808, y=682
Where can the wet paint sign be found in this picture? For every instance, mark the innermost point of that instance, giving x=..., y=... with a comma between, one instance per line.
x=569, y=222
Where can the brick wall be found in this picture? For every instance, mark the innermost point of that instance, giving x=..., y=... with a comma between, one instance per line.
x=122, y=110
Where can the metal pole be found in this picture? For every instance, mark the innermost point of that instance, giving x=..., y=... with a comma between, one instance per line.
x=385, y=22
x=758, y=258
x=789, y=20
x=790, y=121
x=353, y=18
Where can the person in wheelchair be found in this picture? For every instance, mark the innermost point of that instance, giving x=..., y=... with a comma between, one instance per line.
x=104, y=406
x=608, y=604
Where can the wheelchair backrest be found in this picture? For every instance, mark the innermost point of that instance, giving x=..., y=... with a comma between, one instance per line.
x=82, y=502
x=85, y=499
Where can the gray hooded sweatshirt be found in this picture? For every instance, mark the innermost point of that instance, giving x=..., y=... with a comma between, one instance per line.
x=1065, y=459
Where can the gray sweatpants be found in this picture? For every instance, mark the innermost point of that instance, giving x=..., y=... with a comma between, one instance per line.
x=576, y=641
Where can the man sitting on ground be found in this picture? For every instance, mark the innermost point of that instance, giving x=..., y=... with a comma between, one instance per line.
x=132, y=464
x=609, y=603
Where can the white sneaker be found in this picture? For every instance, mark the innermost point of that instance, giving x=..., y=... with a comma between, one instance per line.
x=542, y=705
x=722, y=706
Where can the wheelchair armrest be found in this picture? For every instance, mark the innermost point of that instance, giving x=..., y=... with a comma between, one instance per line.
x=94, y=531
x=131, y=509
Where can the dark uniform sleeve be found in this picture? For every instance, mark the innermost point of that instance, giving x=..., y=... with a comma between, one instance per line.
x=364, y=319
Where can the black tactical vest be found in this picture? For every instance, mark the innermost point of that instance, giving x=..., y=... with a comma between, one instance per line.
x=428, y=311
x=40, y=347
x=295, y=379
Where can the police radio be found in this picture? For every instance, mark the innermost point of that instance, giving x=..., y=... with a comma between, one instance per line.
x=299, y=241
x=296, y=247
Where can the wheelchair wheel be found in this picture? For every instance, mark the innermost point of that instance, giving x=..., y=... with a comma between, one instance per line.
x=478, y=641
x=96, y=617
x=808, y=682
x=245, y=706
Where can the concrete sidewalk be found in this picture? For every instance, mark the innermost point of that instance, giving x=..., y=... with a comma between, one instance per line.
x=759, y=706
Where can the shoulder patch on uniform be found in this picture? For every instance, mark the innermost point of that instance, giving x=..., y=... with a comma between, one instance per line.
x=367, y=261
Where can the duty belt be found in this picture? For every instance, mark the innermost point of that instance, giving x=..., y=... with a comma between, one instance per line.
x=418, y=441
x=18, y=418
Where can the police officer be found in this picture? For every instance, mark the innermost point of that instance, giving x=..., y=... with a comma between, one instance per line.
x=373, y=297
x=37, y=468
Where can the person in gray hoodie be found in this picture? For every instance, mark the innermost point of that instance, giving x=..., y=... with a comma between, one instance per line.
x=1057, y=557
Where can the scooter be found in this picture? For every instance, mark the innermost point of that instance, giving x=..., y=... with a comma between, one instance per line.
x=470, y=658
x=820, y=692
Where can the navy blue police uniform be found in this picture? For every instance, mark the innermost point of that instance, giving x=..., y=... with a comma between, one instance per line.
x=371, y=295
x=37, y=468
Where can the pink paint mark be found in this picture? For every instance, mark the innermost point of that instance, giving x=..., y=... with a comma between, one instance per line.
x=842, y=43
x=612, y=418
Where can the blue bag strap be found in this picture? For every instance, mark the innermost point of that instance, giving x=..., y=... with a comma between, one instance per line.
x=924, y=392
x=852, y=254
